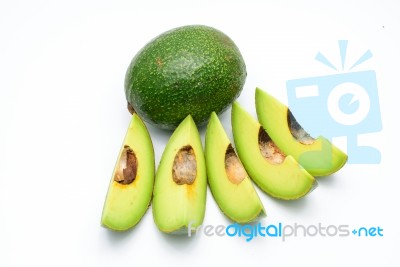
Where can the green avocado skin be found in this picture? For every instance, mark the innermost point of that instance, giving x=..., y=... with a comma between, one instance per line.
x=192, y=70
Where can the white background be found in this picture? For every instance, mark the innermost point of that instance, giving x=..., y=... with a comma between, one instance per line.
x=63, y=118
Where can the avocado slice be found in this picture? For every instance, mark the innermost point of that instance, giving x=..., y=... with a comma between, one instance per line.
x=229, y=182
x=179, y=197
x=318, y=156
x=275, y=173
x=130, y=190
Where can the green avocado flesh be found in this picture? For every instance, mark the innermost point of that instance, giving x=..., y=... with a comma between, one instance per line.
x=275, y=173
x=130, y=190
x=179, y=197
x=188, y=70
x=318, y=156
x=229, y=183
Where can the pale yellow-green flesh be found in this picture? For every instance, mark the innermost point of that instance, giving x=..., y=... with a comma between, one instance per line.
x=240, y=202
x=175, y=207
x=319, y=158
x=287, y=180
x=125, y=205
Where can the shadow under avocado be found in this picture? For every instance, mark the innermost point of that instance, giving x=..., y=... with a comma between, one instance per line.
x=179, y=241
x=329, y=180
x=117, y=237
x=293, y=205
x=302, y=203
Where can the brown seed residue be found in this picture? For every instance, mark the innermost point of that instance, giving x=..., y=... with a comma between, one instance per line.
x=131, y=109
x=184, y=169
x=268, y=148
x=233, y=167
x=127, y=169
x=297, y=131
x=159, y=62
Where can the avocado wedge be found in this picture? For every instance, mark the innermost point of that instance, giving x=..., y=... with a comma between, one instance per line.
x=229, y=182
x=318, y=156
x=179, y=196
x=275, y=173
x=130, y=189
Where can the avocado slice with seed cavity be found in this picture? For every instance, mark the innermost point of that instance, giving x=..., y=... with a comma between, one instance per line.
x=229, y=182
x=318, y=156
x=274, y=172
x=130, y=189
x=179, y=197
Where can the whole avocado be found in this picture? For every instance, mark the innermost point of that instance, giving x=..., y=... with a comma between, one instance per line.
x=192, y=70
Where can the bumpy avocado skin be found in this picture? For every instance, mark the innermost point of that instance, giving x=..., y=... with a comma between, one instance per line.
x=188, y=70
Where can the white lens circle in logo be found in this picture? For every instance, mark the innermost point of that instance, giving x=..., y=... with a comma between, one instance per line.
x=359, y=94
